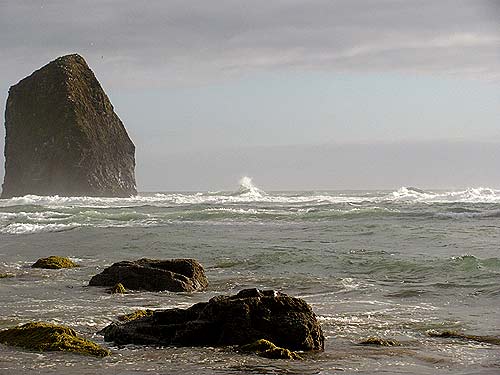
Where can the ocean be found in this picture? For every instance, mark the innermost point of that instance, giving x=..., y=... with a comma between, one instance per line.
x=391, y=264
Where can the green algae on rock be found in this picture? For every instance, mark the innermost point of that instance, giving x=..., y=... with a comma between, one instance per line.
x=50, y=337
x=117, y=289
x=494, y=340
x=135, y=315
x=377, y=341
x=267, y=349
x=54, y=262
x=6, y=275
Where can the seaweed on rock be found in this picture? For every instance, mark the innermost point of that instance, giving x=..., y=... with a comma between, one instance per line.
x=377, y=341
x=54, y=262
x=117, y=289
x=50, y=337
x=267, y=349
x=135, y=315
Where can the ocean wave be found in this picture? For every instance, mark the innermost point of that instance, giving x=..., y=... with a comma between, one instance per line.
x=249, y=190
x=458, y=271
x=250, y=193
x=248, y=203
x=469, y=215
x=470, y=195
x=26, y=228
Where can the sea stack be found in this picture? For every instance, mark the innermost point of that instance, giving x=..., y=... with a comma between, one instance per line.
x=62, y=136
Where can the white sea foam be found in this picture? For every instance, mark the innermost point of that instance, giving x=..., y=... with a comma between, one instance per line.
x=248, y=192
x=250, y=211
x=35, y=214
x=26, y=228
x=470, y=195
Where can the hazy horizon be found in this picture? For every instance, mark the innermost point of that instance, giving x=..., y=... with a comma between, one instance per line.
x=298, y=95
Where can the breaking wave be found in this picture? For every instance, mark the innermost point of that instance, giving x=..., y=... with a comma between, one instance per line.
x=248, y=203
x=470, y=195
x=249, y=190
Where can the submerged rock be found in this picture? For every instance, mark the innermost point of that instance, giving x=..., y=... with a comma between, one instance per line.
x=175, y=275
x=457, y=335
x=50, y=337
x=54, y=262
x=267, y=349
x=377, y=341
x=240, y=319
x=63, y=137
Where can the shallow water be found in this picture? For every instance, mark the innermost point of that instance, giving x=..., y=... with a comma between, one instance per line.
x=377, y=263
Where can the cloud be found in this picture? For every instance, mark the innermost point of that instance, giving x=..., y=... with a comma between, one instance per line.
x=163, y=42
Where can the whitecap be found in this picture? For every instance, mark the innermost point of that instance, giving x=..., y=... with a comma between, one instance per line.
x=26, y=228
x=469, y=195
x=248, y=189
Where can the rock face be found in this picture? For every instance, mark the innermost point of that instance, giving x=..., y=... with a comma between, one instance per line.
x=63, y=136
x=240, y=319
x=175, y=275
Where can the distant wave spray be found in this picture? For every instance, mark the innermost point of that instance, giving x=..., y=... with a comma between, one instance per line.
x=248, y=189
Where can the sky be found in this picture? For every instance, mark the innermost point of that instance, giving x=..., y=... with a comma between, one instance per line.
x=297, y=94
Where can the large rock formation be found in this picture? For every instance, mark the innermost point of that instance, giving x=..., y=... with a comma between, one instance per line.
x=240, y=319
x=175, y=275
x=63, y=137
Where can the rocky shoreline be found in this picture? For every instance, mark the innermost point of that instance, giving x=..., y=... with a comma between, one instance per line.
x=268, y=323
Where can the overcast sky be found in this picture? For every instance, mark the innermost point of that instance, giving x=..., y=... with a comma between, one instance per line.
x=298, y=94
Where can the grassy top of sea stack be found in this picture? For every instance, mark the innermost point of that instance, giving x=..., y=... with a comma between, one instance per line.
x=54, y=262
x=50, y=337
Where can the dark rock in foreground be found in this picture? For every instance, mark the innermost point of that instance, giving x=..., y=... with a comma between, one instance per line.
x=240, y=319
x=63, y=136
x=54, y=262
x=175, y=275
x=50, y=337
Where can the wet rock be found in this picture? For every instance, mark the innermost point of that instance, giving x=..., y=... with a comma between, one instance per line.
x=50, y=337
x=377, y=341
x=63, y=137
x=239, y=319
x=494, y=340
x=54, y=262
x=267, y=349
x=175, y=275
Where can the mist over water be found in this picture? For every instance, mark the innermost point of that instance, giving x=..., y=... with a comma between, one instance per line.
x=392, y=264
